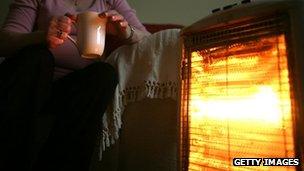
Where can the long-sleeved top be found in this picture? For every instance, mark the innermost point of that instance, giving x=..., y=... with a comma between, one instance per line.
x=26, y=16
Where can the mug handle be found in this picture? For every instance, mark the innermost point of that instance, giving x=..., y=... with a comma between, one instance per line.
x=75, y=43
x=71, y=39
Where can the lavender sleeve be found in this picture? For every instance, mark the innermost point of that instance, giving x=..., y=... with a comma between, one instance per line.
x=124, y=8
x=21, y=17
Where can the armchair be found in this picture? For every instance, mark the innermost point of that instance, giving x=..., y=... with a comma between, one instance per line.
x=148, y=137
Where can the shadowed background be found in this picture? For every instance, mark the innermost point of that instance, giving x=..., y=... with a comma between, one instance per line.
x=182, y=12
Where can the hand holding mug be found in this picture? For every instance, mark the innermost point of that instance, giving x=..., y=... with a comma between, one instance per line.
x=59, y=29
x=90, y=27
x=117, y=25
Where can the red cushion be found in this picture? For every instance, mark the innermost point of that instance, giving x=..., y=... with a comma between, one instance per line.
x=153, y=28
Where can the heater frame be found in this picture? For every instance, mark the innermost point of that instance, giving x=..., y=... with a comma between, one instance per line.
x=194, y=36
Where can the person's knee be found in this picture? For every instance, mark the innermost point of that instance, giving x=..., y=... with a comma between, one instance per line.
x=35, y=55
x=105, y=73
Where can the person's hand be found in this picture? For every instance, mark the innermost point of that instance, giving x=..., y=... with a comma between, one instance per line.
x=59, y=29
x=117, y=25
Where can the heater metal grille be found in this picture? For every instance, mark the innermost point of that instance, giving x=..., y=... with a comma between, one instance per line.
x=237, y=32
x=235, y=96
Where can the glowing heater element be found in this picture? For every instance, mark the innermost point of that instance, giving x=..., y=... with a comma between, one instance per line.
x=239, y=105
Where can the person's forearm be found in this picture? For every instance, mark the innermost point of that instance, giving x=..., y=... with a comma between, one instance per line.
x=10, y=42
x=134, y=37
x=138, y=35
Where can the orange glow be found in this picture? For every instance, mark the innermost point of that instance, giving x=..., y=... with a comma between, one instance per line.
x=239, y=105
x=260, y=107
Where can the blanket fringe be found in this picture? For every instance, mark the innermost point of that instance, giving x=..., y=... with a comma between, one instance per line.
x=150, y=89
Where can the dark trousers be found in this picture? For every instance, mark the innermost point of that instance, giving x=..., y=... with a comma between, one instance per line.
x=29, y=99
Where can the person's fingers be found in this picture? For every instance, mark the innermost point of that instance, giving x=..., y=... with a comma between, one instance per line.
x=119, y=21
x=52, y=30
x=124, y=24
x=102, y=15
x=53, y=41
x=113, y=16
x=64, y=23
x=64, y=27
x=64, y=19
x=53, y=22
x=117, y=24
x=61, y=25
x=58, y=31
x=108, y=13
x=116, y=17
x=61, y=34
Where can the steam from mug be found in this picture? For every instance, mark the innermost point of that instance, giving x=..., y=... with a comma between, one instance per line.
x=91, y=32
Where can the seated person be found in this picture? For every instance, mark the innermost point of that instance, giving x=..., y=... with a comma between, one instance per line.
x=44, y=75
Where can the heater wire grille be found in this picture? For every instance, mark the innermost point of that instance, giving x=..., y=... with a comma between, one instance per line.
x=238, y=32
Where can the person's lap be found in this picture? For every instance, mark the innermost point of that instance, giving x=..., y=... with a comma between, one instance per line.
x=77, y=100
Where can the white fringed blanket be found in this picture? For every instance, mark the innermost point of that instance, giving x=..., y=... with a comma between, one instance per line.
x=147, y=69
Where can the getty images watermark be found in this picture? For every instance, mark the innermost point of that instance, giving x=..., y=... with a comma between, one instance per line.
x=266, y=162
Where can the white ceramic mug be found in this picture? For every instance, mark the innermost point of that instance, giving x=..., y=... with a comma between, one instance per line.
x=91, y=33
